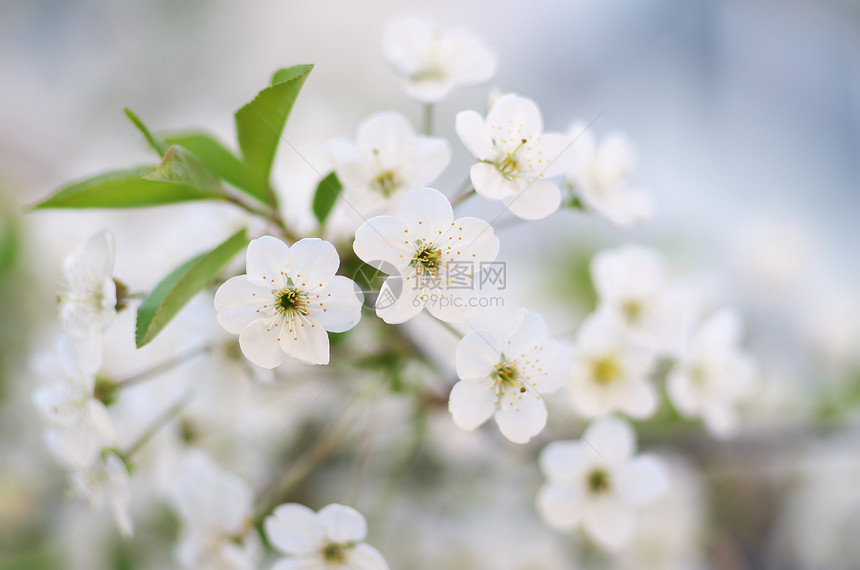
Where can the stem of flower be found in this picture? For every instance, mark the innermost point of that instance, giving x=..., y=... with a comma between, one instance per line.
x=161, y=368
x=428, y=119
x=305, y=465
x=273, y=216
x=450, y=328
x=159, y=422
x=463, y=197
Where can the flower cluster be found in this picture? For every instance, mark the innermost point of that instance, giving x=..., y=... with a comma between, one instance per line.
x=234, y=461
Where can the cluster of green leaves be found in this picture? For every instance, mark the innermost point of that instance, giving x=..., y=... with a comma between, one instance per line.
x=197, y=166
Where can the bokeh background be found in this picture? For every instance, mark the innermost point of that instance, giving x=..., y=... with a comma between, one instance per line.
x=747, y=120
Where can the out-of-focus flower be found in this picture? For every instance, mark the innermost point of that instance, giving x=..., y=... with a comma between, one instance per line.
x=386, y=160
x=106, y=482
x=601, y=175
x=598, y=483
x=435, y=61
x=632, y=286
x=215, y=510
x=610, y=371
x=434, y=257
x=515, y=156
x=712, y=374
x=88, y=299
x=507, y=379
x=670, y=532
x=79, y=423
x=287, y=301
x=331, y=538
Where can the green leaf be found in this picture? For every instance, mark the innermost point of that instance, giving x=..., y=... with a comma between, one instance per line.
x=131, y=188
x=326, y=196
x=181, y=285
x=159, y=145
x=259, y=123
x=181, y=167
x=221, y=162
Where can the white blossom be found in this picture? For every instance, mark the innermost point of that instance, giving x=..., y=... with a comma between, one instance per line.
x=214, y=507
x=601, y=174
x=508, y=378
x=88, y=299
x=431, y=259
x=632, y=285
x=331, y=538
x=386, y=159
x=610, y=371
x=712, y=374
x=599, y=484
x=287, y=301
x=515, y=157
x=435, y=61
x=79, y=425
x=106, y=482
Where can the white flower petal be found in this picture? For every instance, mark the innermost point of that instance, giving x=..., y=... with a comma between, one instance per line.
x=637, y=399
x=405, y=306
x=471, y=403
x=470, y=240
x=567, y=461
x=237, y=301
x=476, y=355
x=518, y=117
x=474, y=63
x=404, y=43
x=538, y=200
x=641, y=481
x=342, y=524
x=428, y=91
x=383, y=130
x=313, y=262
x=561, y=504
x=475, y=135
x=554, y=158
x=528, y=334
x=432, y=156
x=347, y=163
x=609, y=523
x=521, y=415
x=490, y=183
x=721, y=421
x=425, y=212
x=337, y=306
x=266, y=257
x=304, y=339
x=383, y=239
x=613, y=438
x=366, y=557
x=293, y=529
x=680, y=390
x=259, y=344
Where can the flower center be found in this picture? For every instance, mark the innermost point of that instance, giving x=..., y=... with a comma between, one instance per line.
x=334, y=553
x=509, y=166
x=433, y=72
x=506, y=373
x=290, y=300
x=598, y=481
x=426, y=258
x=632, y=310
x=605, y=370
x=386, y=182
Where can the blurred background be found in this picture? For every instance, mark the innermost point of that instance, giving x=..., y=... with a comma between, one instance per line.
x=746, y=116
